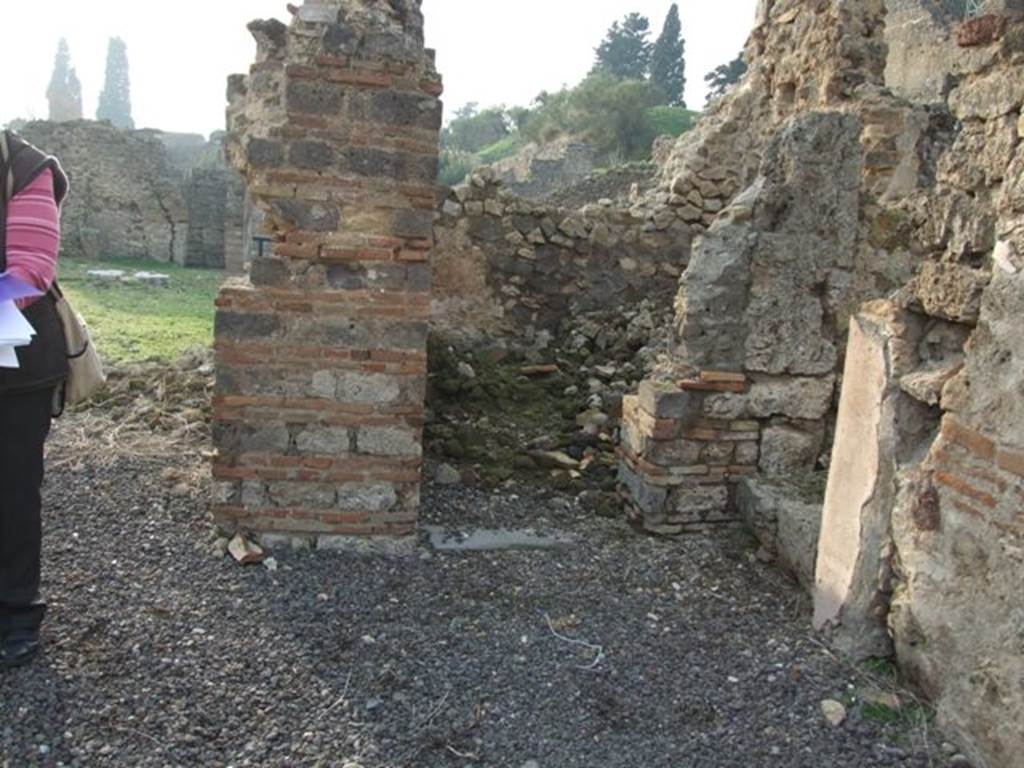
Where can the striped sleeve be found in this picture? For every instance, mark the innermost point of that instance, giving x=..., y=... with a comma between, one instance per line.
x=33, y=233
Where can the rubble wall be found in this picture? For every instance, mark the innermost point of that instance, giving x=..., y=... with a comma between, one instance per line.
x=321, y=351
x=215, y=199
x=921, y=35
x=536, y=171
x=506, y=266
x=126, y=199
x=799, y=150
x=144, y=194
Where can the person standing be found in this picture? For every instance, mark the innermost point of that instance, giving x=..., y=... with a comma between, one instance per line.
x=34, y=186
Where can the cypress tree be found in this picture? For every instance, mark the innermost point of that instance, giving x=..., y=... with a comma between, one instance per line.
x=668, y=65
x=115, y=100
x=64, y=93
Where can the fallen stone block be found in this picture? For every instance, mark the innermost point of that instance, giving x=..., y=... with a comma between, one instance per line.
x=244, y=551
x=105, y=275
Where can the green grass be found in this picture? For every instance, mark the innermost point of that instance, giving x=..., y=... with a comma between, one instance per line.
x=132, y=323
x=671, y=121
x=501, y=149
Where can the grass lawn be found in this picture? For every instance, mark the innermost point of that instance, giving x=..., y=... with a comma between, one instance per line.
x=132, y=323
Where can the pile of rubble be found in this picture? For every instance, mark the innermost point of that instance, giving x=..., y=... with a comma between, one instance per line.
x=549, y=408
x=157, y=402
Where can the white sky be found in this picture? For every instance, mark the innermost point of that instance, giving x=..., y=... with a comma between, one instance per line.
x=489, y=51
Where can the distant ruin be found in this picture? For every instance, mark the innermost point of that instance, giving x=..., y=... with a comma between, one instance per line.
x=146, y=195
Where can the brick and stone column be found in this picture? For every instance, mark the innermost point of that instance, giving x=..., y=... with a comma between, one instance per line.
x=321, y=349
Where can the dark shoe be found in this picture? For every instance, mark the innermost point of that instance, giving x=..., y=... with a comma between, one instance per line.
x=19, y=647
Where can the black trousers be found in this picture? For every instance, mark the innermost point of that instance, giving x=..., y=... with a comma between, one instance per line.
x=24, y=425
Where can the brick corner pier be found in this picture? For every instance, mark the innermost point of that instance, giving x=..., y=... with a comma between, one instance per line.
x=321, y=349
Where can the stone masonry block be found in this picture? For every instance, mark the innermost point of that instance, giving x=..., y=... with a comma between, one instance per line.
x=314, y=97
x=649, y=499
x=311, y=155
x=302, y=495
x=323, y=441
x=699, y=502
x=666, y=401
x=786, y=449
x=388, y=441
x=368, y=388
x=374, y=497
x=263, y=153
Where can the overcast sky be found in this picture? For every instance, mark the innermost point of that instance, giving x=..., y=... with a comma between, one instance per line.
x=489, y=51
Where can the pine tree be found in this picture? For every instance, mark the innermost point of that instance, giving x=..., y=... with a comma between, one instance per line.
x=115, y=100
x=723, y=77
x=668, y=65
x=65, y=91
x=626, y=51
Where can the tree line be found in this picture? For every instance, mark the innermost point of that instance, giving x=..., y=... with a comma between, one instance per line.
x=64, y=93
x=634, y=92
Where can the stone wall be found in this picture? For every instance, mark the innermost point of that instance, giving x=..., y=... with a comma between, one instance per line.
x=184, y=150
x=915, y=230
x=321, y=351
x=215, y=199
x=761, y=311
x=801, y=55
x=927, y=558
x=757, y=341
x=506, y=266
x=126, y=200
x=537, y=171
x=922, y=48
x=145, y=194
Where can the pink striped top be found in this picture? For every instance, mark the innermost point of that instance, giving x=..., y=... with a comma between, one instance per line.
x=33, y=233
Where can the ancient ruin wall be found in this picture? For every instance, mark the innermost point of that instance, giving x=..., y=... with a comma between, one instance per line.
x=920, y=545
x=506, y=266
x=762, y=308
x=921, y=35
x=215, y=199
x=321, y=353
x=126, y=199
x=144, y=194
x=801, y=55
x=536, y=171
x=947, y=586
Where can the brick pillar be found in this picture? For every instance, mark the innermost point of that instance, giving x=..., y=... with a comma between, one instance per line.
x=680, y=457
x=321, y=349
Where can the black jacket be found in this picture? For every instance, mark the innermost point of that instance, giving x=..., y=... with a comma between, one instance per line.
x=43, y=364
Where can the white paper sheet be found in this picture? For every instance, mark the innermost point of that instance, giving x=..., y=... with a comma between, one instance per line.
x=15, y=330
x=8, y=358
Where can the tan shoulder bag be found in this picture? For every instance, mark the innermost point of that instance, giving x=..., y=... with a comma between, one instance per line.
x=85, y=369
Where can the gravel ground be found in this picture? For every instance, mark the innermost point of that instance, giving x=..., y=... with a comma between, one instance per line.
x=161, y=654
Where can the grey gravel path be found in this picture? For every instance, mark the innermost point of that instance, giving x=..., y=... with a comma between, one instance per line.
x=160, y=654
